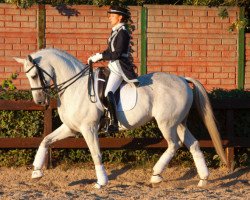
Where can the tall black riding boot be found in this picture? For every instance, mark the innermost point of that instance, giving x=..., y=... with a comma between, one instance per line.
x=113, y=126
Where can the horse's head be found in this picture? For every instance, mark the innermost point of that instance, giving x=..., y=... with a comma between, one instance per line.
x=39, y=76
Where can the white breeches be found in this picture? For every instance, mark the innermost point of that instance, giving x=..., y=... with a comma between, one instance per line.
x=114, y=82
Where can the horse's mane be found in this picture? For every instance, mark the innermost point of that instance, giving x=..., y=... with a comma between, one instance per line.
x=60, y=53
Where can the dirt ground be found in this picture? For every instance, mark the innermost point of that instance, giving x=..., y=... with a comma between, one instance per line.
x=124, y=183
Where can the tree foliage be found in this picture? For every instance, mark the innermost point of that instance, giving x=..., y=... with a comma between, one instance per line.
x=222, y=3
x=28, y=3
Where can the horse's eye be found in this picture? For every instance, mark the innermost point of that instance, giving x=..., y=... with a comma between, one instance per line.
x=34, y=76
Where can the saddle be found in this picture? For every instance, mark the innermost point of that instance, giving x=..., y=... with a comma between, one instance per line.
x=125, y=96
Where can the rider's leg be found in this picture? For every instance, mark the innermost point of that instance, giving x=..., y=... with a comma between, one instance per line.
x=113, y=126
x=114, y=82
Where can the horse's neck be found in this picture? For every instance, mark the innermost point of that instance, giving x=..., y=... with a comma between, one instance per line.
x=65, y=70
x=65, y=73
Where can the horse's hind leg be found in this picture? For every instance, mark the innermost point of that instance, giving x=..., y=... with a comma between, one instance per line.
x=60, y=133
x=193, y=145
x=170, y=134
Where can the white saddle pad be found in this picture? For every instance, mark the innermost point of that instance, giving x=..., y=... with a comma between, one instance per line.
x=128, y=97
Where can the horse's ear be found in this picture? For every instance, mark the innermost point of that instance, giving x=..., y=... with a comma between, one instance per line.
x=30, y=59
x=19, y=60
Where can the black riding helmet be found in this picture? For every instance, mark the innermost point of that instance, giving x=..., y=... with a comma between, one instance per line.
x=120, y=11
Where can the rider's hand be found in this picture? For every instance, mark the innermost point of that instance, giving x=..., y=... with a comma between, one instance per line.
x=95, y=58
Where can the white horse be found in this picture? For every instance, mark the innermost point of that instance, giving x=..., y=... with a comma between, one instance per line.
x=165, y=97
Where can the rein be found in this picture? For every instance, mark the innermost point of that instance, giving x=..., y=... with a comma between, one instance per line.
x=60, y=87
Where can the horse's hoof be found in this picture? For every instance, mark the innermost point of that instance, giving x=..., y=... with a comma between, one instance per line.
x=98, y=186
x=156, y=179
x=202, y=183
x=37, y=174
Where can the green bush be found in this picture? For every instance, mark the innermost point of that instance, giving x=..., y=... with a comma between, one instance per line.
x=16, y=157
x=19, y=123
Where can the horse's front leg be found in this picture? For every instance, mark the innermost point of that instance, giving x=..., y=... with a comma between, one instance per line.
x=60, y=133
x=90, y=135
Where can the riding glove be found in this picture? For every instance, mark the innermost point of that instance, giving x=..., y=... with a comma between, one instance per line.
x=95, y=58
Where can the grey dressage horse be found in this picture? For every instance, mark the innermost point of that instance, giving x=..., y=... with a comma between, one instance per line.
x=162, y=96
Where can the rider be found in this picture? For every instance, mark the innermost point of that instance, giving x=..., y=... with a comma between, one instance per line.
x=117, y=53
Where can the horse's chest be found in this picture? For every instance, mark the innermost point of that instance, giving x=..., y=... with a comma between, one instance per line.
x=70, y=119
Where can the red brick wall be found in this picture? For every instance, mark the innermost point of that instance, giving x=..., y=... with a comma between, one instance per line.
x=18, y=38
x=183, y=40
x=247, y=67
x=193, y=41
x=86, y=33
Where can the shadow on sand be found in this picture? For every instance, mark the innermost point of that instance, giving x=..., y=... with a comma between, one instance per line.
x=113, y=175
x=191, y=173
x=236, y=177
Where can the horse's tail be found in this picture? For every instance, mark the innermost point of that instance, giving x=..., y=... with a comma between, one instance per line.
x=205, y=110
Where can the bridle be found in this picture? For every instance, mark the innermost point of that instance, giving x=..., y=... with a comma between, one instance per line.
x=41, y=77
x=56, y=89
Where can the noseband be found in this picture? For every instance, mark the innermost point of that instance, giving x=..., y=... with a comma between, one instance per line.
x=60, y=87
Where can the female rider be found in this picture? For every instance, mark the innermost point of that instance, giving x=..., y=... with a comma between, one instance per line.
x=117, y=53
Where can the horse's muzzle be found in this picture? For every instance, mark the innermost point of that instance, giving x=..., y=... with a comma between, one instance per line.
x=43, y=102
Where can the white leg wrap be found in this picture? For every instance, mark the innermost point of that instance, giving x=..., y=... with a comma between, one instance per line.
x=163, y=161
x=159, y=167
x=40, y=158
x=201, y=165
x=199, y=161
x=102, y=178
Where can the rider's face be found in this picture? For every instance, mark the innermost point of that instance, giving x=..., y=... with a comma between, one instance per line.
x=114, y=19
